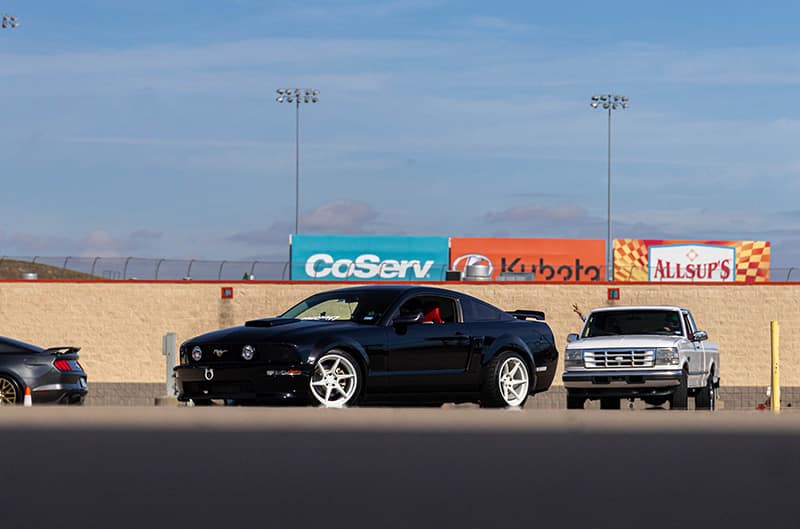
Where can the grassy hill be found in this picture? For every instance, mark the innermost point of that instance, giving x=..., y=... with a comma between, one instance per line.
x=11, y=269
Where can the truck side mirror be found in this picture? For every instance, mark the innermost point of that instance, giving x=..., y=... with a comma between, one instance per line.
x=699, y=336
x=572, y=337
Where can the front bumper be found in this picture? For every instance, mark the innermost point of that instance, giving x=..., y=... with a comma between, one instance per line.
x=243, y=383
x=623, y=383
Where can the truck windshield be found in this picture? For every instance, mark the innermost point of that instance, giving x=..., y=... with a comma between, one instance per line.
x=612, y=322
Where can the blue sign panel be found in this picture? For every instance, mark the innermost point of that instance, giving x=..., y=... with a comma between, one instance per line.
x=369, y=258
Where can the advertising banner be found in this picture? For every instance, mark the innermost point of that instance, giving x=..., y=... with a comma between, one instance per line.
x=691, y=261
x=368, y=258
x=554, y=260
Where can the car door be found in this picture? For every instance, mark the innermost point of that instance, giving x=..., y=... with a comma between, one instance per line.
x=430, y=356
x=697, y=363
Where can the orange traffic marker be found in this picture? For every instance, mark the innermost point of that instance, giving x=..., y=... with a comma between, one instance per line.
x=27, y=402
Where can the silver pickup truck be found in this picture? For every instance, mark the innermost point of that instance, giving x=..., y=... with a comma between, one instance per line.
x=652, y=353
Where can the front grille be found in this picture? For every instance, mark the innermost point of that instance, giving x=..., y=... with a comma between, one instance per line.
x=619, y=358
x=269, y=353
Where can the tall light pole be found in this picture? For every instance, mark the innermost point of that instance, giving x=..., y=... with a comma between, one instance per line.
x=297, y=96
x=609, y=102
x=9, y=21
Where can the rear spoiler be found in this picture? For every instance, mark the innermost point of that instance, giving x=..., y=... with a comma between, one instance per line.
x=62, y=350
x=527, y=314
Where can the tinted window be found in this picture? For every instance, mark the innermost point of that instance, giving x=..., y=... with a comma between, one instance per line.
x=365, y=306
x=609, y=323
x=477, y=310
x=434, y=309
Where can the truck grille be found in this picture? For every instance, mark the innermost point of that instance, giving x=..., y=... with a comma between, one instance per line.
x=620, y=358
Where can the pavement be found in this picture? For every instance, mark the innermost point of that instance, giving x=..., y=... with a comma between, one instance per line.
x=218, y=467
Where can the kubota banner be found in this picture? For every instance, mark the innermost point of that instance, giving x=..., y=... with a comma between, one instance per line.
x=691, y=261
x=555, y=260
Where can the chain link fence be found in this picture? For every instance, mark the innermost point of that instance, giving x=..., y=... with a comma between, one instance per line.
x=171, y=269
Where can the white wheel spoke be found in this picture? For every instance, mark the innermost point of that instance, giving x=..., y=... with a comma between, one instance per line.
x=317, y=382
x=345, y=377
x=514, y=371
x=341, y=390
x=328, y=394
x=335, y=365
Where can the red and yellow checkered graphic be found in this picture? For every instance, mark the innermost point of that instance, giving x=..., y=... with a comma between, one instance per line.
x=752, y=261
x=631, y=258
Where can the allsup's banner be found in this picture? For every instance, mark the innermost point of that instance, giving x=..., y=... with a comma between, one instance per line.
x=691, y=261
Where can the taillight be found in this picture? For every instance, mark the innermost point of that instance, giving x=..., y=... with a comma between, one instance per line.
x=63, y=365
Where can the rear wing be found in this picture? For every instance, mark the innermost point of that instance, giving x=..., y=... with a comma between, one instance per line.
x=521, y=314
x=62, y=350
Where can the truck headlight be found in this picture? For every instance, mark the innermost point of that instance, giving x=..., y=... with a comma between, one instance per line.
x=197, y=353
x=573, y=358
x=667, y=356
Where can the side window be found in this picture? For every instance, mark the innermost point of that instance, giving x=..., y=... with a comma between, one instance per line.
x=434, y=309
x=476, y=310
x=689, y=323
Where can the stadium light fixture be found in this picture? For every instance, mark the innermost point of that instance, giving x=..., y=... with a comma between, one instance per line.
x=609, y=102
x=297, y=96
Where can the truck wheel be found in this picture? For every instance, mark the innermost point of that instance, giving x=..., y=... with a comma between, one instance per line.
x=609, y=404
x=706, y=398
x=680, y=399
x=575, y=403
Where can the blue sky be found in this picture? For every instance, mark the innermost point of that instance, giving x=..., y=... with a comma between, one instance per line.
x=151, y=128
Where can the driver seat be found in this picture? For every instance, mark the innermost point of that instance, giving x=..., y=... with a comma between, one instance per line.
x=432, y=316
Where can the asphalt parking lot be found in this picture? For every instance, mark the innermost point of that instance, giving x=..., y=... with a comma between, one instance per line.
x=395, y=468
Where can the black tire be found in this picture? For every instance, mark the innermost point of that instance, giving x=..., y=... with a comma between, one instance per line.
x=706, y=398
x=610, y=404
x=680, y=399
x=575, y=403
x=14, y=386
x=354, y=369
x=656, y=401
x=201, y=402
x=491, y=392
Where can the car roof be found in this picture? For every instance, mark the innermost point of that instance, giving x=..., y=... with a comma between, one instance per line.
x=641, y=307
x=394, y=288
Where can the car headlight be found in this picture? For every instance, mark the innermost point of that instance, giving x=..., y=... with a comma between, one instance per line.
x=573, y=358
x=197, y=353
x=248, y=352
x=667, y=356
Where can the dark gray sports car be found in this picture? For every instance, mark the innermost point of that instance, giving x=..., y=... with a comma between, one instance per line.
x=54, y=375
x=380, y=344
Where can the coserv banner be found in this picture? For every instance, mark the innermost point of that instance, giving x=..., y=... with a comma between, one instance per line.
x=368, y=258
x=691, y=261
x=555, y=260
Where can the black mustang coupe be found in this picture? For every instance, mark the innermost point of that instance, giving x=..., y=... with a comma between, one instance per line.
x=378, y=344
x=54, y=375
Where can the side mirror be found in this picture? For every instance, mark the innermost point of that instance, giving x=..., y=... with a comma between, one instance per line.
x=699, y=336
x=408, y=319
x=572, y=337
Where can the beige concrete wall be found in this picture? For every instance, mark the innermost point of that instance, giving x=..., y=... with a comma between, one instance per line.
x=119, y=325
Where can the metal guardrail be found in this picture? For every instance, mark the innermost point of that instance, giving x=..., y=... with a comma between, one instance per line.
x=228, y=270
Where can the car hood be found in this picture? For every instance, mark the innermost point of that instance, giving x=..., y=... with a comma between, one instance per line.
x=274, y=329
x=625, y=342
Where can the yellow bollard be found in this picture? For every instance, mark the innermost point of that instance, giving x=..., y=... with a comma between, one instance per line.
x=775, y=385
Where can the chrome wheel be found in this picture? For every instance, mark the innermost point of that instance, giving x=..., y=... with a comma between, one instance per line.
x=513, y=381
x=335, y=380
x=8, y=392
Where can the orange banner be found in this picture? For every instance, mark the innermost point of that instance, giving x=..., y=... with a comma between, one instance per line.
x=691, y=261
x=550, y=260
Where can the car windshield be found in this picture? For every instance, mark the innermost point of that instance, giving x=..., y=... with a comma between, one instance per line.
x=366, y=306
x=612, y=322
